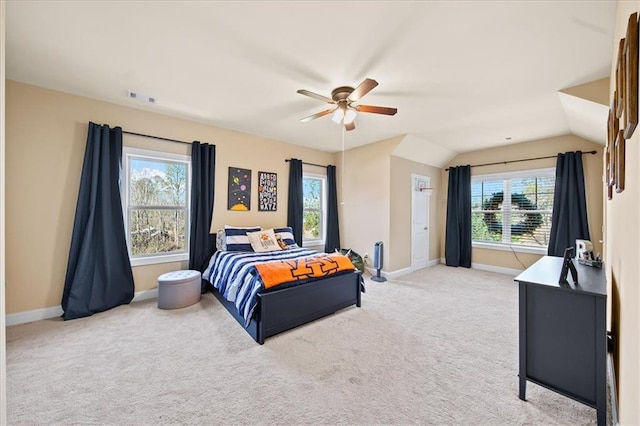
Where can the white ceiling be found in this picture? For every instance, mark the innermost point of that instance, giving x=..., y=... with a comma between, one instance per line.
x=464, y=75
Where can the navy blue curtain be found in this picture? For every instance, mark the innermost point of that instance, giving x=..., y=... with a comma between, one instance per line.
x=457, y=249
x=202, y=244
x=99, y=273
x=295, y=203
x=569, y=217
x=332, y=241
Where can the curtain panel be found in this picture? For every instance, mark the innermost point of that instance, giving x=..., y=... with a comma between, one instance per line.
x=458, y=229
x=99, y=275
x=332, y=241
x=569, y=218
x=202, y=244
x=295, y=206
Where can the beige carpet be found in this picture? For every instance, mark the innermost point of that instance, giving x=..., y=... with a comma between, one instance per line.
x=438, y=346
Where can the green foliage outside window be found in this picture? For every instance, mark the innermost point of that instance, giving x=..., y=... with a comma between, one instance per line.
x=157, y=207
x=312, y=203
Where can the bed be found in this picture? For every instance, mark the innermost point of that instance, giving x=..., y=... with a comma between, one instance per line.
x=234, y=277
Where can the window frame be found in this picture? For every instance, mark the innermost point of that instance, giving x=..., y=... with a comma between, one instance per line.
x=156, y=258
x=506, y=177
x=323, y=209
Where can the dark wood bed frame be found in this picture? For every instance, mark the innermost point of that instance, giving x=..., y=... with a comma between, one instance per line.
x=281, y=310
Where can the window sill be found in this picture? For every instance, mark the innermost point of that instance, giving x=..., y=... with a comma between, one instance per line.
x=315, y=245
x=153, y=260
x=517, y=248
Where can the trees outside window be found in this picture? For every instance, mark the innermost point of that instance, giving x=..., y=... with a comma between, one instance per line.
x=314, y=204
x=156, y=198
x=512, y=209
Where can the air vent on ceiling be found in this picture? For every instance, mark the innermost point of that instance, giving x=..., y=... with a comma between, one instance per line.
x=140, y=97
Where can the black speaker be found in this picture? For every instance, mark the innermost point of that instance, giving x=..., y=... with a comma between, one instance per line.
x=378, y=250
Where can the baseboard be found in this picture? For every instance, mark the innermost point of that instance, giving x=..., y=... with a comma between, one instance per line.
x=399, y=272
x=145, y=295
x=432, y=262
x=34, y=315
x=498, y=269
x=56, y=311
x=491, y=268
x=389, y=275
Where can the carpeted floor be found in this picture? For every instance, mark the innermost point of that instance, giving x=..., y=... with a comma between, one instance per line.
x=439, y=346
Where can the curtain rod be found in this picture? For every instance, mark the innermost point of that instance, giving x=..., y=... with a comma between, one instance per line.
x=308, y=164
x=517, y=161
x=155, y=137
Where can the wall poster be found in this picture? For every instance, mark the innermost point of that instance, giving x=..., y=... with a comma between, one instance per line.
x=267, y=192
x=239, y=197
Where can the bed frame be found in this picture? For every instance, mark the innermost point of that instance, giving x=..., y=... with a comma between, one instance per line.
x=280, y=310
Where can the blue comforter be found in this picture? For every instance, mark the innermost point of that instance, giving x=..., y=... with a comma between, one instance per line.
x=233, y=274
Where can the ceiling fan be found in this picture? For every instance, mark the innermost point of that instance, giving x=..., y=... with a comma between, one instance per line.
x=344, y=98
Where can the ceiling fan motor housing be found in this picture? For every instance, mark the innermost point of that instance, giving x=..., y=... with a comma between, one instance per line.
x=341, y=93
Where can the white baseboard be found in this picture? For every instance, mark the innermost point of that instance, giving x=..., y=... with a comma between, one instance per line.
x=34, y=315
x=432, y=262
x=491, y=268
x=145, y=295
x=399, y=272
x=498, y=269
x=56, y=311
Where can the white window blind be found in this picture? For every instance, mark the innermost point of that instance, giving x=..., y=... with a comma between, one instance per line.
x=513, y=209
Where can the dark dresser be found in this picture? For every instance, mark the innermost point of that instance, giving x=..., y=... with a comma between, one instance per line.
x=563, y=332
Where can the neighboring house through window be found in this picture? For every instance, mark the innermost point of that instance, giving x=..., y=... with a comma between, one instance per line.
x=155, y=196
x=512, y=210
x=314, y=202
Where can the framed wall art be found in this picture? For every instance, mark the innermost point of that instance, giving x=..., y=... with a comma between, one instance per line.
x=267, y=192
x=239, y=189
x=619, y=155
x=630, y=74
x=618, y=94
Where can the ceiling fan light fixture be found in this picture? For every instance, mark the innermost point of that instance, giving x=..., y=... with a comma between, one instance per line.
x=338, y=115
x=349, y=115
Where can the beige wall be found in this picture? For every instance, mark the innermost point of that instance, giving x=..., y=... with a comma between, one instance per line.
x=365, y=197
x=540, y=148
x=400, y=211
x=45, y=142
x=622, y=236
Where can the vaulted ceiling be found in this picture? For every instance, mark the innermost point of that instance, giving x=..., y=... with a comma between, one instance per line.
x=463, y=75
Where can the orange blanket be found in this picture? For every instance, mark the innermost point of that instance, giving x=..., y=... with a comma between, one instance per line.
x=315, y=266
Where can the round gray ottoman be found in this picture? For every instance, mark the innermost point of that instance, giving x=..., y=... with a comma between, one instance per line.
x=178, y=289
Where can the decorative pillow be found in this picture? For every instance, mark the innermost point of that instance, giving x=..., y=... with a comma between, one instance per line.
x=236, y=237
x=221, y=243
x=281, y=243
x=263, y=241
x=286, y=234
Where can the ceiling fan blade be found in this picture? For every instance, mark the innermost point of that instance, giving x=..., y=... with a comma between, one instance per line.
x=315, y=96
x=349, y=126
x=317, y=115
x=364, y=88
x=376, y=109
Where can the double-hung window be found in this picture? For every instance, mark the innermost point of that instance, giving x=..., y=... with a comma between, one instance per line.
x=155, y=195
x=314, y=214
x=512, y=210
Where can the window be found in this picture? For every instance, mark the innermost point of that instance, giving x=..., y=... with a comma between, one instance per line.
x=313, y=225
x=512, y=209
x=156, y=188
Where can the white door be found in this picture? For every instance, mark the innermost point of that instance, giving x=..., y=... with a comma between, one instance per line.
x=419, y=221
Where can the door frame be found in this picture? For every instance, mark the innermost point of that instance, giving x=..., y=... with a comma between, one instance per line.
x=414, y=178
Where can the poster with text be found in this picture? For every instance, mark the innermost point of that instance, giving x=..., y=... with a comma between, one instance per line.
x=267, y=192
x=239, y=198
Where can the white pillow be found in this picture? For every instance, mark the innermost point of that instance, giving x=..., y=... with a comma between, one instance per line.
x=263, y=241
